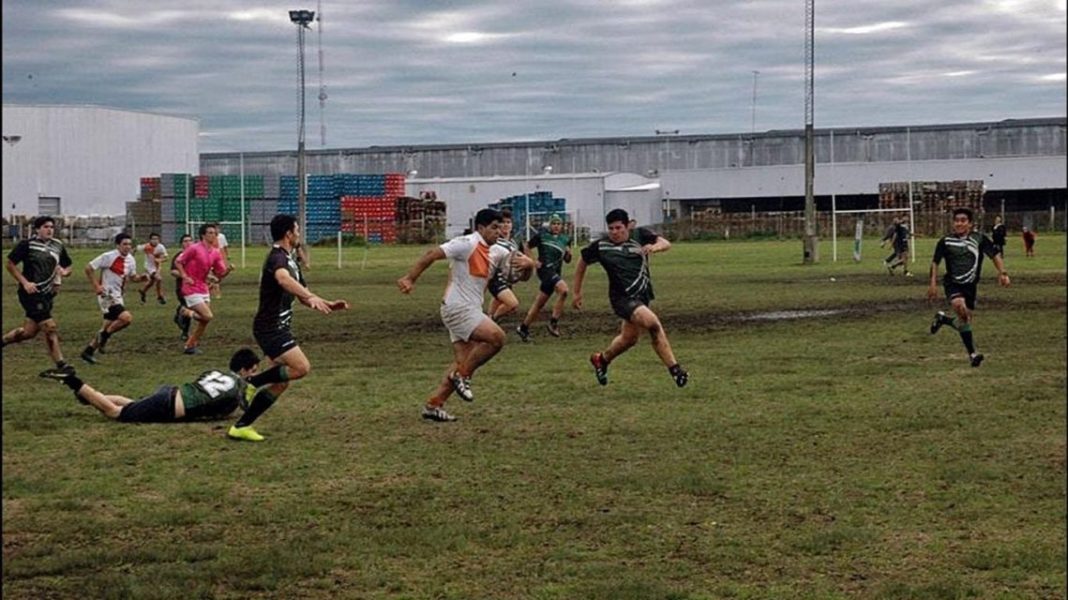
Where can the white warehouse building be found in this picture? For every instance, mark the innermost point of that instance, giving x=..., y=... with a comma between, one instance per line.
x=88, y=160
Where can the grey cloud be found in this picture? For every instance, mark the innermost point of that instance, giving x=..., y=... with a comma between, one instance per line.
x=582, y=67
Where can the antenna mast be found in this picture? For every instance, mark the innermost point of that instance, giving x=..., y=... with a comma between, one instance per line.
x=322, y=85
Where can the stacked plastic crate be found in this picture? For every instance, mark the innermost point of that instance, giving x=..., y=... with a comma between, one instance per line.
x=369, y=206
x=323, y=209
x=541, y=206
x=174, y=189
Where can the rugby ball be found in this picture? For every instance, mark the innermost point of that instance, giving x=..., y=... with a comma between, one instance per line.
x=509, y=273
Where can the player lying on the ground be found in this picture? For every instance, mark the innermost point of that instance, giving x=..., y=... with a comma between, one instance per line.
x=213, y=395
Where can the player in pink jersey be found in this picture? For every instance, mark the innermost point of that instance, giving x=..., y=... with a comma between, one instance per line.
x=194, y=265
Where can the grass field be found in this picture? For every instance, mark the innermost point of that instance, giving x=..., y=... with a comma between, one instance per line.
x=851, y=455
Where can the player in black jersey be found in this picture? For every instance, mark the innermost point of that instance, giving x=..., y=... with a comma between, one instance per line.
x=213, y=395
x=963, y=251
x=624, y=254
x=43, y=258
x=280, y=282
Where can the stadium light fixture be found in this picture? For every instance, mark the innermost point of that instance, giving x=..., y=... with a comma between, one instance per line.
x=547, y=170
x=413, y=173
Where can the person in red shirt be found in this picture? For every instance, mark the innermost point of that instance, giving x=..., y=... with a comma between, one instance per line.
x=1029, y=241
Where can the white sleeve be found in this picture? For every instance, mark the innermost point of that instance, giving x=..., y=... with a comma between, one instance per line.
x=101, y=261
x=161, y=250
x=131, y=265
x=222, y=241
x=458, y=248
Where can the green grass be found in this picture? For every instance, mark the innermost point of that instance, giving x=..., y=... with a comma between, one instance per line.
x=846, y=456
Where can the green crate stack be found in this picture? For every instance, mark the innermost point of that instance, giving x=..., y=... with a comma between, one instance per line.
x=215, y=186
x=253, y=186
x=182, y=184
x=232, y=233
x=231, y=209
x=212, y=209
x=179, y=209
x=196, y=210
x=231, y=186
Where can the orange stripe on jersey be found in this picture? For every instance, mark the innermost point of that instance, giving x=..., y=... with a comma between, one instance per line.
x=478, y=264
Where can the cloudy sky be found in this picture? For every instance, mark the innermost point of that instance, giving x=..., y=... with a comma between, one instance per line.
x=424, y=72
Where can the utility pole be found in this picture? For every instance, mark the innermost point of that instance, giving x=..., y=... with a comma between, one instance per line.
x=301, y=18
x=811, y=242
x=755, y=75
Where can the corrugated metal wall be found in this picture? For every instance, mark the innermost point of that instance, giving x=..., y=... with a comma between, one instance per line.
x=91, y=157
x=644, y=155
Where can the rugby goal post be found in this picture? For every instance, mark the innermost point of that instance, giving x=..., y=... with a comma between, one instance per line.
x=192, y=226
x=834, y=226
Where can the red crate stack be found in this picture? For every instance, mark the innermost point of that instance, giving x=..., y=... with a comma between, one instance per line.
x=150, y=188
x=201, y=187
x=372, y=217
x=394, y=185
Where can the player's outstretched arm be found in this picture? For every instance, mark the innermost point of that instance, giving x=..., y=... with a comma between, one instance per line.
x=306, y=297
x=407, y=283
x=27, y=285
x=1003, y=275
x=932, y=286
x=660, y=245
x=576, y=284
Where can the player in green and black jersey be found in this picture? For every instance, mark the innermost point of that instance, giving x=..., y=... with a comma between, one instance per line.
x=963, y=251
x=213, y=395
x=280, y=282
x=504, y=300
x=43, y=258
x=554, y=249
x=624, y=254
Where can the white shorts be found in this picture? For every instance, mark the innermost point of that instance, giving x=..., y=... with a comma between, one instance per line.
x=461, y=321
x=192, y=300
x=106, y=301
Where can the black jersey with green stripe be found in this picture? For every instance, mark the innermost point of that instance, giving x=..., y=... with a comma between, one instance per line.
x=626, y=266
x=214, y=394
x=964, y=256
x=551, y=250
x=39, y=259
x=276, y=304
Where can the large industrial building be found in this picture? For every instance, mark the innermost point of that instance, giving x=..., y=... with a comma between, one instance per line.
x=1020, y=161
x=87, y=160
x=80, y=160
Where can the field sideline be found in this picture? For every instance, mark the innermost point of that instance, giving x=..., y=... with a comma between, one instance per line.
x=849, y=455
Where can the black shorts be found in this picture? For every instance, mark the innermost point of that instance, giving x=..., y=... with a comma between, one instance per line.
x=963, y=290
x=549, y=279
x=38, y=307
x=625, y=307
x=497, y=285
x=901, y=249
x=275, y=343
x=156, y=408
x=113, y=312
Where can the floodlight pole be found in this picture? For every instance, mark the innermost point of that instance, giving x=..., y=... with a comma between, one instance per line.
x=811, y=242
x=302, y=19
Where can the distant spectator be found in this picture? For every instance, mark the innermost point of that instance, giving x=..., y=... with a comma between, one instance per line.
x=997, y=235
x=1029, y=242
